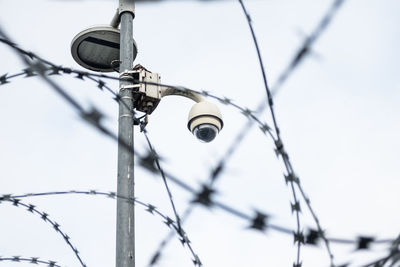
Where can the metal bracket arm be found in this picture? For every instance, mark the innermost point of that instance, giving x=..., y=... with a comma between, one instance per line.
x=166, y=91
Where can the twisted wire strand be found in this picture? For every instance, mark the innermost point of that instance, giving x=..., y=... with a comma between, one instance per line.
x=151, y=208
x=248, y=113
x=245, y=112
x=112, y=195
x=154, y=259
x=303, y=51
x=196, y=259
x=296, y=206
x=157, y=162
x=32, y=260
x=392, y=259
x=45, y=217
x=173, y=225
x=213, y=177
x=259, y=222
x=225, y=207
x=55, y=70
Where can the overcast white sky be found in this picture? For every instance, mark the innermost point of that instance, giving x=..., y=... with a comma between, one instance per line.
x=339, y=117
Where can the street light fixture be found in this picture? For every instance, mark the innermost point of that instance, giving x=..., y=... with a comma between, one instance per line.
x=97, y=48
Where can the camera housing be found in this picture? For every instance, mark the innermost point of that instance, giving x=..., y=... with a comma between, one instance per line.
x=205, y=121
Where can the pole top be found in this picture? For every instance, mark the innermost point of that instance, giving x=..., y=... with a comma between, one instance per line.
x=127, y=6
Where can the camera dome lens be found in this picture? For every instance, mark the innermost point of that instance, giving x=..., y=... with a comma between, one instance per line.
x=205, y=132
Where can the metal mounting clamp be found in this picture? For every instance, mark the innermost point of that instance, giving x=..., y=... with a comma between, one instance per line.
x=134, y=87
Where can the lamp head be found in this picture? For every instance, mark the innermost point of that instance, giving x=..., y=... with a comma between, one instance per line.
x=96, y=48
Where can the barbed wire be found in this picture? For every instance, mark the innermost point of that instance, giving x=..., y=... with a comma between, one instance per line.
x=161, y=171
x=389, y=260
x=54, y=70
x=279, y=150
x=57, y=70
x=214, y=174
x=312, y=237
x=156, y=256
x=302, y=52
x=81, y=74
x=32, y=260
x=260, y=221
x=45, y=217
x=97, y=118
x=306, y=48
x=31, y=73
x=173, y=225
x=204, y=196
x=291, y=177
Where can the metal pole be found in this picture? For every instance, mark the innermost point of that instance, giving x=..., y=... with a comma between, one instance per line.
x=125, y=239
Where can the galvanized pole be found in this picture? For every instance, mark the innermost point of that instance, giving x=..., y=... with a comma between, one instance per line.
x=125, y=247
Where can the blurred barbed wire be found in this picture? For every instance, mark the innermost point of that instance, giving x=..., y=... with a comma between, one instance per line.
x=291, y=177
x=259, y=221
x=32, y=260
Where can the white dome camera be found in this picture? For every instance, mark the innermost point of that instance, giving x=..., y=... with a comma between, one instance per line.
x=205, y=121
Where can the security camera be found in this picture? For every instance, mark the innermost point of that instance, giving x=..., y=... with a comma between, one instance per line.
x=205, y=121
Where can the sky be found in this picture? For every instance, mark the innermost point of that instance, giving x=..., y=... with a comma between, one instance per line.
x=338, y=114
